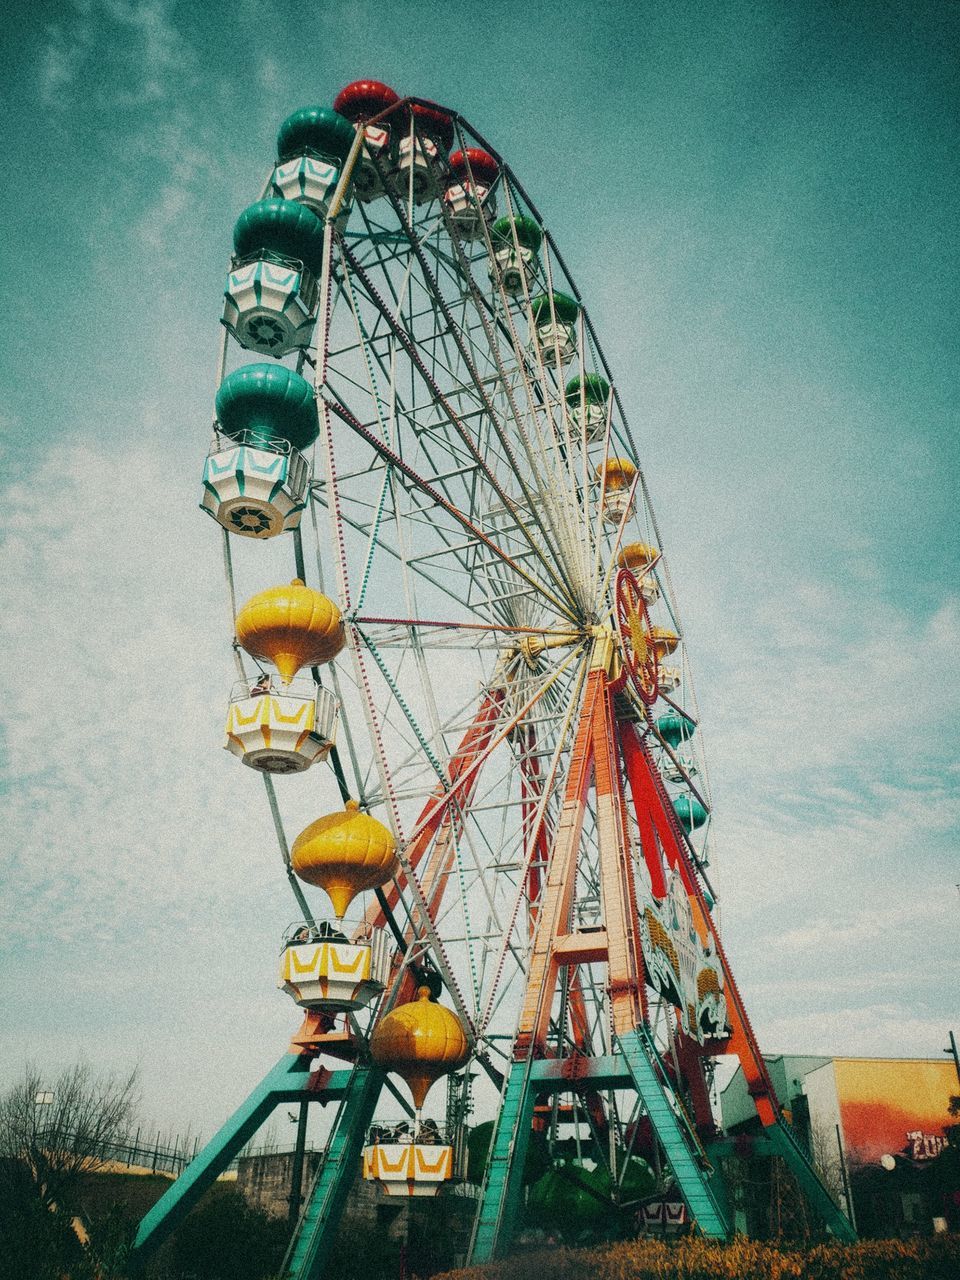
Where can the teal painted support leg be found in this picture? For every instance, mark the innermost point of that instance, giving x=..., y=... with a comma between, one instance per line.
x=285, y=1082
x=321, y=1217
x=503, y=1185
x=785, y=1145
x=693, y=1181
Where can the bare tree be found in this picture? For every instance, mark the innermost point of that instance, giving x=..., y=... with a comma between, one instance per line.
x=827, y=1160
x=52, y=1132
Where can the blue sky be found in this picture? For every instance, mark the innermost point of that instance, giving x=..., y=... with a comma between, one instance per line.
x=758, y=202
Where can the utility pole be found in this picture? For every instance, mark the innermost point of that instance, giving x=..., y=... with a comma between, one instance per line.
x=296, y=1173
x=952, y=1048
x=847, y=1195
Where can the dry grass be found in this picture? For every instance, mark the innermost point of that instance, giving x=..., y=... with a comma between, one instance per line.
x=936, y=1258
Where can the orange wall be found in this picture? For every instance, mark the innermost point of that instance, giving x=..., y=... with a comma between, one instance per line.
x=882, y=1101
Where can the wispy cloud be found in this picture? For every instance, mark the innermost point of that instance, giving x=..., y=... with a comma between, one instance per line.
x=131, y=49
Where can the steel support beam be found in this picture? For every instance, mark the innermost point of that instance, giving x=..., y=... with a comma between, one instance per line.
x=290, y=1080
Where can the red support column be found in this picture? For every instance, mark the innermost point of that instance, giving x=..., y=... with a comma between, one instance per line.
x=655, y=812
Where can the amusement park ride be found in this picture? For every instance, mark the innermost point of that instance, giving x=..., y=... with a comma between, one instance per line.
x=500, y=694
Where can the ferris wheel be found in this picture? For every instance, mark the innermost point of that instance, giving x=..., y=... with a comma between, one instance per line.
x=476, y=637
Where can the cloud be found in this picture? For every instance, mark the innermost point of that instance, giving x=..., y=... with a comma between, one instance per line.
x=61, y=58
x=859, y=1030
x=132, y=49
x=118, y=664
x=125, y=68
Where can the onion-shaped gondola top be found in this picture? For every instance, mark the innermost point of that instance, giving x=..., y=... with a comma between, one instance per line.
x=616, y=476
x=468, y=197
x=255, y=477
x=516, y=243
x=426, y=138
x=675, y=729
x=554, y=333
x=344, y=854
x=419, y=1041
x=587, y=400
x=285, y=726
x=640, y=558
x=690, y=812
x=292, y=627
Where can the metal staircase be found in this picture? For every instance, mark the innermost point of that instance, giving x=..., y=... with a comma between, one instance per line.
x=504, y=1177
x=674, y=1134
x=320, y=1219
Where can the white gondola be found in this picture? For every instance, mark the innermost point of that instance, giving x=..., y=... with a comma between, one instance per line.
x=310, y=180
x=252, y=490
x=408, y=1169
x=313, y=182
x=668, y=679
x=278, y=728
x=469, y=207
x=367, y=183
x=270, y=305
x=418, y=161
x=617, y=503
x=511, y=268
x=321, y=969
x=591, y=420
x=553, y=337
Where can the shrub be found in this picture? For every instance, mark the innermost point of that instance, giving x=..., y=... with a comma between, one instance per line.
x=930, y=1258
x=223, y=1239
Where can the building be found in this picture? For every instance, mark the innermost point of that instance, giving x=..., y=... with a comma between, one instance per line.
x=421, y=1234
x=874, y=1127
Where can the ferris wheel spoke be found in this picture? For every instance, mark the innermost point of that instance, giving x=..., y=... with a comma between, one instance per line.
x=535, y=394
x=420, y=483
x=449, y=330
x=462, y=555
x=398, y=629
x=415, y=562
x=548, y=794
x=425, y=922
x=438, y=397
x=517, y=553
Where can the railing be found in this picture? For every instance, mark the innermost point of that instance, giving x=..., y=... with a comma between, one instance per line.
x=141, y=1154
x=404, y=1131
x=299, y=471
x=300, y=689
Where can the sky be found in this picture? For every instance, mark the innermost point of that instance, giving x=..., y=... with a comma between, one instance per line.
x=758, y=202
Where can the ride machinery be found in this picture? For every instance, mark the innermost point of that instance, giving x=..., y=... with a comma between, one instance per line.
x=482, y=654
